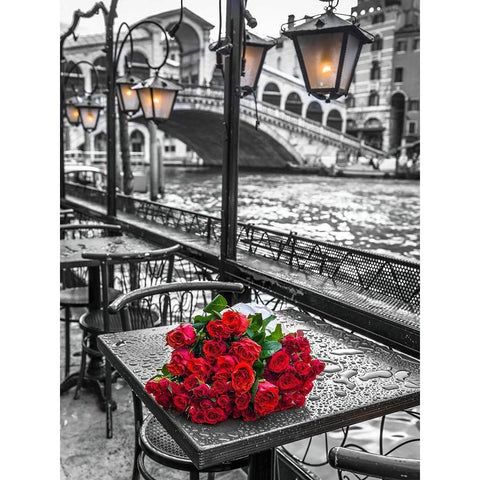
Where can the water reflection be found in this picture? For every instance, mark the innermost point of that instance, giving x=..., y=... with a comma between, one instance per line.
x=374, y=214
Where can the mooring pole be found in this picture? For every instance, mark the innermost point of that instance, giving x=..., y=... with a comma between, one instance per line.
x=110, y=113
x=235, y=24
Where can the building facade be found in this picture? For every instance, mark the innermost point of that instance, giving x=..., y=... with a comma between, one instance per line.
x=383, y=105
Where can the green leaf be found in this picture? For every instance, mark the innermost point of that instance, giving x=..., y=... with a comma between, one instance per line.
x=198, y=326
x=218, y=304
x=250, y=332
x=269, y=348
x=267, y=321
x=256, y=322
x=254, y=388
x=276, y=335
x=202, y=318
x=166, y=371
x=259, y=367
x=259, y=338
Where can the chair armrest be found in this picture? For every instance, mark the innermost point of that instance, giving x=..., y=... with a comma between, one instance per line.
x=151, y=254
x=381, y=466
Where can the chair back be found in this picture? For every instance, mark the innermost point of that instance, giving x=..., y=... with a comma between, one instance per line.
x=167, y=304
x=131, y=271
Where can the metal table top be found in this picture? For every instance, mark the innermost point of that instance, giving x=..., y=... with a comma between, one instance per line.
x=362, y=380
x=71, y=250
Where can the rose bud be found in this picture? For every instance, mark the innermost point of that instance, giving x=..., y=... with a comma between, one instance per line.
x=237, y=323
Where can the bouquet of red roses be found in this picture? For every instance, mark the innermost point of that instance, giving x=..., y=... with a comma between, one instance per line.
x=227, y=364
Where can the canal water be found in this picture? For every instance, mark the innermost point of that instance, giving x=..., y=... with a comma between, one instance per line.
x=380, y=215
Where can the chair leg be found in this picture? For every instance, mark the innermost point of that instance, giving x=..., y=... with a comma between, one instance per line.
x=195, y=475
x=138, y=419
x=81, y=373
x=108, y=398
x=67, y=341
x=211, y=476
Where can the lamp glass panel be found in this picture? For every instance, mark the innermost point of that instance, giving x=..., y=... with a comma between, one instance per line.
x=321, y=56
x=353, y=46
x=253, y=59
x=89, y=116
x=73, y=115
x=127, y=98
x=162, y=102
x=144, y=94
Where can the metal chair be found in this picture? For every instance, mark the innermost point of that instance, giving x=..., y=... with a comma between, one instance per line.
x=379, y=466
x=173, y=303
x=123, y=273
x=74, y=294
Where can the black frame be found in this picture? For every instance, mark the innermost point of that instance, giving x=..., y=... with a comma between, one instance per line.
x=266, y=47
x=129, y=80
x=153, y=117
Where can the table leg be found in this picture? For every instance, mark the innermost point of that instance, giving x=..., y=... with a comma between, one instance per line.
x=261, y=465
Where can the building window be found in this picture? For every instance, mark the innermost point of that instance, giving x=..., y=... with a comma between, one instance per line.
x=378, y=18
x=412, y=127
x=416, y=43
x=414, y=105
x=173, y=148
x=294, y=103
x=373, y=99
x=398, y=74
x=375, y=71
x=350, y=101
x=401, y=46
x=377, y=43
x=271, y=94
x=137, y=141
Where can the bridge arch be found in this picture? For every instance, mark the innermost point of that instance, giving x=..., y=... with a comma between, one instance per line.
x=293, y=103
x=335, y=120
x=271, y=94
x=315, y=112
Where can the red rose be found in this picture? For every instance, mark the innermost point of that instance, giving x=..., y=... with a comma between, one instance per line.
x=246, y=350
x=199, y=367
x=285, y=402
x=266, y=398
x=178, y=388
x=176, y=369
x=152, y=387
x=197, y=415
x=243, y=377
x=181, y=355
x=190, y=382
x=216, y=329
x=181, y=402
x=205, y=403
x=212, y=349
x=202, y=391
x=183, y=335
x=224, y=402
x=235, y=322
x=288, y=382
x=249, y=414
x=226, y=363
x=215, y=415
x=221, y=386
x=298, y=399
x=242, y=400
x=279, y=361
x=303, y=369
x=317, y=366
x=306, y=387
x=164, y=399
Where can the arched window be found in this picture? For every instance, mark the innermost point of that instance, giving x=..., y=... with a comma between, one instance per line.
x=76, y=81
x=334, y=120
x=100, y=142
x=271, y=94
x=373, y=99
x=373, y=124
x=100, y=66
x=377, y=43
x=375, y=70
x=138, y=64
x=314, y=112
x=137, y=141
x=378, y=18
x=350, y=102
x=373, y=133
x=294, y=103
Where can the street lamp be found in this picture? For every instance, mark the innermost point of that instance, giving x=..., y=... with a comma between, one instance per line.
x=72, y=112
x=128, y=101
x=89, y=113
x=328, y=48
x=155, y=95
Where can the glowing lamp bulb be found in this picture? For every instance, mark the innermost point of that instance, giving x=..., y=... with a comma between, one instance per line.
x=156, y=100
x=90, y=117
x=128, y=93
x=327, y=69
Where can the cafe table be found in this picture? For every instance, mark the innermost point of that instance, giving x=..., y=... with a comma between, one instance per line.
x=71, y=255
x=362, y=380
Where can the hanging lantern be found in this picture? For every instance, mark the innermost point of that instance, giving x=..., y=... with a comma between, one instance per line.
x=89, y=114
x=128, y=100
x=255, y=52
x=72, y=112
x=157, y=97
x=328, y=49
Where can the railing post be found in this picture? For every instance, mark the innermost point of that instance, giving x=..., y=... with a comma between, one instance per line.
x=235, y=26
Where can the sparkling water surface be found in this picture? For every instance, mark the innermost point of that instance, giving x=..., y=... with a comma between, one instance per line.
x=373, y=214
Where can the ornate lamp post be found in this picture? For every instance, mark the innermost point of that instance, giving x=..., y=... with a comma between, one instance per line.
x=328, y=48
